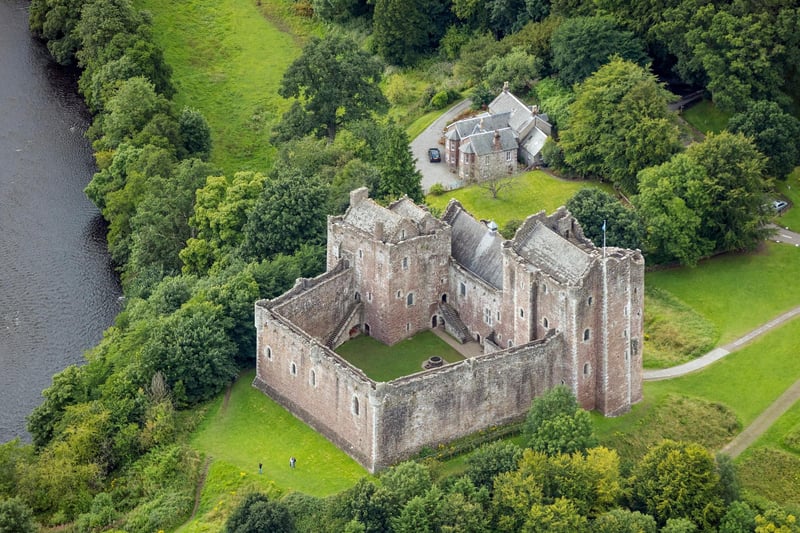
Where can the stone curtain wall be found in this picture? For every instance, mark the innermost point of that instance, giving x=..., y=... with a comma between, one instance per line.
x=315, y=384
x=320, y=308
x=443, y=404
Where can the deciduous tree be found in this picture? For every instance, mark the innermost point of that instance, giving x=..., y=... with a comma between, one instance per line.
x=774, y=133
x=335, y=81
x=556, y=424
x=581, y=45
x=618, y=125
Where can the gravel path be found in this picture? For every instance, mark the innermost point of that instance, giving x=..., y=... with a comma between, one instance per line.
x=431, y=138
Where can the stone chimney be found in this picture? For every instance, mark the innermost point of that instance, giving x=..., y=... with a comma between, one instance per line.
x=505, y=86
x=378, y=230
x=359, y=195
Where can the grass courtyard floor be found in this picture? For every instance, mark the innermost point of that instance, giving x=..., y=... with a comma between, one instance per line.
x=385, y=363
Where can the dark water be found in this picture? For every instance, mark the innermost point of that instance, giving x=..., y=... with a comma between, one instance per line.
x=57, y=289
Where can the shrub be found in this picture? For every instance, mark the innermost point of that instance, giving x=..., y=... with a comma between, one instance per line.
x=437, y=189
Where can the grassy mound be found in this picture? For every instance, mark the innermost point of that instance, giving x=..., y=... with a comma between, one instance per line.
x=674, y=332
x=675, y=417
x=771, y=473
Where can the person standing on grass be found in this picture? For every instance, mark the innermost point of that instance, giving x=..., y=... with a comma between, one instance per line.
x=292, y=462
x=260, y=470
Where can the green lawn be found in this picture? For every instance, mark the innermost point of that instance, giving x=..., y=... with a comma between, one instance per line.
x=254, y=429
x=385, y=363
x=227, y=61
x=706, y=117
x=737, y=292
x=529, y=193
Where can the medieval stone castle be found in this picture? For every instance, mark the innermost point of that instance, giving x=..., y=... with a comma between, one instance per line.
x=548, y=308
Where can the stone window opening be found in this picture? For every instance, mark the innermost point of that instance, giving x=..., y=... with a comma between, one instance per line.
x=313, y=378
x=510, y=343
x=408, y=327
x=410, y=299
x=405, y=263
x=294, y=369
x=355, y=405
x=269, y=353
x=497, y=316
x=399, y=294
x=544, y=288
x=587, y=369
x=625, y=333
x=590, y=300
x=357, y=296
x=360, y=253
x=462, y=288
x=444, y=298
x=545, y=323
x=403, y=234
x=521, y=313
x=586, y=334
x=369, y=296
x=487, y=316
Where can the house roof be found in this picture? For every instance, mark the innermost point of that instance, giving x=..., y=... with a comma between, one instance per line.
x=553, y=254
x=474, y=246
x=534, y=143
x=490, y=142
x=478, y=124
x=520, y=115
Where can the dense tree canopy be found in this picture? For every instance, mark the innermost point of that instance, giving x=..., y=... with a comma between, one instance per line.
x=335, y=81
x=556, y=424
x=618, y=125
x=581, y=45
x=596, y=209
x=774, y=133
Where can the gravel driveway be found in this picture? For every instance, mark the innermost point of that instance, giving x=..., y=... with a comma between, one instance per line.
x=430, y=138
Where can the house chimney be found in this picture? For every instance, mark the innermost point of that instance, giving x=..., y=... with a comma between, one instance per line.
x=359, y=195
x=505, y=86
x=535, y=109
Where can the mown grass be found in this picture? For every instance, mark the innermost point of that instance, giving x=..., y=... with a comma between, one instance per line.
x=227, y=61
x=674, y=332
x=385, y=363
x=706, y=117
x=253, y=429
x=737, y=292
x=527, y=194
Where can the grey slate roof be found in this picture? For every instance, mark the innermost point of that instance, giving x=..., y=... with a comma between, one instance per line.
x=533, y=145
x=483, y=122
x=520, y=115
x=484, y=143
x=476, y=248
x=553, y=254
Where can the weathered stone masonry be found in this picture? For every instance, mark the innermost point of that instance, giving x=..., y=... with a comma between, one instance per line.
x=548, y=307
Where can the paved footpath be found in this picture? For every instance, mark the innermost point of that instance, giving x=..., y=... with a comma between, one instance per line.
x=752, y=432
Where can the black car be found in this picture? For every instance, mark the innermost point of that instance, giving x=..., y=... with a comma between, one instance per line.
x=434, y=155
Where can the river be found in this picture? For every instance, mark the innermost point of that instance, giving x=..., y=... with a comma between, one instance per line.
x=58, y=291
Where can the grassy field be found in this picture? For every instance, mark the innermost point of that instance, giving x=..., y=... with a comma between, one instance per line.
x=528, y=193
x=706, y=117
x=385, y=363
x=253, y=429
x=227, y=61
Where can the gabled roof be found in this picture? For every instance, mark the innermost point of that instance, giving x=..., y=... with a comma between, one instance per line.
x=553, y=254
x=366, y=213
x=534, y=143
x=490, y=142
x=480, y=123
x=474, y=246
x=520, y=115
